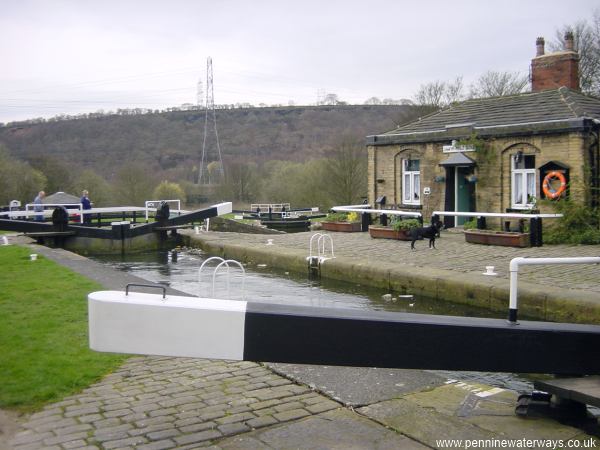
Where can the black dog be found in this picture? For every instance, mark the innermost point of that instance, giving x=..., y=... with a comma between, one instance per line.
x=429, y=232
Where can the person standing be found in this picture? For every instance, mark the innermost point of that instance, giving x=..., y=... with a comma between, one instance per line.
x=86, y=204
x=39, y=206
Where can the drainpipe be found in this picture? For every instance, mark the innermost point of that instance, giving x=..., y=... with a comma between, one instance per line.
x=596, y=182
x=514, y=273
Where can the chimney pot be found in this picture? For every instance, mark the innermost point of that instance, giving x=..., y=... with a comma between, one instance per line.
x=569, y=41
x=539, y=43
x=557, y=69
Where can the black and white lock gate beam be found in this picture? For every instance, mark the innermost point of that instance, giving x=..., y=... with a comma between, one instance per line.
x=141, y=323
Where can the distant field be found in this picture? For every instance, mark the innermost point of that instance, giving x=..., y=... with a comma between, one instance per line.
x=44, y=352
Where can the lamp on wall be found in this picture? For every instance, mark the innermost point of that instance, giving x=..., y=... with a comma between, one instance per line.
x=518, y=156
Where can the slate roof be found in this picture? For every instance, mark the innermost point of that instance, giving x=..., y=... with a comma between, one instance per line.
x=551, y=110
x=61, y=198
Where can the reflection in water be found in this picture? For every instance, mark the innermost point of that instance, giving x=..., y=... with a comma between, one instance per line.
x=263, y=284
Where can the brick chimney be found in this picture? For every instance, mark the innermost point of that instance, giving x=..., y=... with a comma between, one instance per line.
x=553, y=70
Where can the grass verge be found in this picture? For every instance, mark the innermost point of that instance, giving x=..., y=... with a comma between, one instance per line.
x=44, y=353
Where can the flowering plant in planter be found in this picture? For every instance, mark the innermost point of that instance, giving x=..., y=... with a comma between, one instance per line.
x=336, y=217
x=398, y=229
x=341, y=221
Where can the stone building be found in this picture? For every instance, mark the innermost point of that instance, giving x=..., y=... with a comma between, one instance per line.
x=499, y=154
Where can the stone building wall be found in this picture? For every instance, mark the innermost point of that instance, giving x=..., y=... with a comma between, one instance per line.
x=493, y=170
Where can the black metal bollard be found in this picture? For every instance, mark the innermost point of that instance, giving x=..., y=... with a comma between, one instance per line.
x=383, y=220
x=162, y=214
x=365, y=219
x=60, y=219
x=535, y=232
x=481, y=223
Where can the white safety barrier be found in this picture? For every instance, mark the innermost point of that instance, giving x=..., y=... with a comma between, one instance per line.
x=515, y=263
x=367, y=209
x=487, y=214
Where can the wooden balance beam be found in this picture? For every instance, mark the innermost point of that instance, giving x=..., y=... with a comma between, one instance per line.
x=143, y=323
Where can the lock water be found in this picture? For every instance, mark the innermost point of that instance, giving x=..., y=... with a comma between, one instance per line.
x=265, y=284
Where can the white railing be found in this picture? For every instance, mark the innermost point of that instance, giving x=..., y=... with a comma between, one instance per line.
x=221, y=263
x=32, y=206
x=273, y=207
x=80, y=211
x=486, y=214
x=367, y=210
x=515, y=263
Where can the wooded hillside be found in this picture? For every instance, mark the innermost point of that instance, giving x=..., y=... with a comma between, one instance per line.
x=170, y=143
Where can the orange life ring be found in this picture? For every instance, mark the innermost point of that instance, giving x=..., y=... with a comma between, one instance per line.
x=547, y=188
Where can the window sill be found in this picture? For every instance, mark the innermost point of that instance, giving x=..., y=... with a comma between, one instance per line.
x=522, y=209
x=407, y=206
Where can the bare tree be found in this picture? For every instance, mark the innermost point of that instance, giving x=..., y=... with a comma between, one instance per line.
x=99, y=189
x=587, y=42
x=431, y=94
x=440, y=93
x=242, y=180
x=373, y=101
x=497, y=84
x=346, y=168
x=332, y=99
x=454, y=91
x=133, y=185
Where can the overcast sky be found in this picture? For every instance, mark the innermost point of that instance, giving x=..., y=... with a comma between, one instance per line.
x=73, y=56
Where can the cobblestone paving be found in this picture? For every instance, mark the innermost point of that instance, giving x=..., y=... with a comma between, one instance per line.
x=452, y=253
x=161, y=403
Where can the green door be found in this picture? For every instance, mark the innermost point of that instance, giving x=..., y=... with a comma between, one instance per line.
x=463, y=194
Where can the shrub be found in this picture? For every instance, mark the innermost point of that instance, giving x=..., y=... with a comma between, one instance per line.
x=578, y=225
x=337, y=217
x=470, y=224
x=169, y=191
x=405, y=224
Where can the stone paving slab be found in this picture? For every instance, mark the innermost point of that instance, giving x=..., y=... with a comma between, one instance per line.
x=464, y=411
x=339, y=429
x=358, y=386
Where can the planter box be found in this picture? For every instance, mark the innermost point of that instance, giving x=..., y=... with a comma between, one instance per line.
x=388, y=233
x=346, y=227
x=490, y=237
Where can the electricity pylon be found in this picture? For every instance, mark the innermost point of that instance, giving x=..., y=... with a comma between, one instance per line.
x=205, y=172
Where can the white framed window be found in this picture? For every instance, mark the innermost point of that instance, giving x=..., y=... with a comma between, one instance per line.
x=411, y=182
x=523, y=181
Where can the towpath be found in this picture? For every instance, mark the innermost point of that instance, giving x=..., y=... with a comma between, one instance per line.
x=161, y=403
